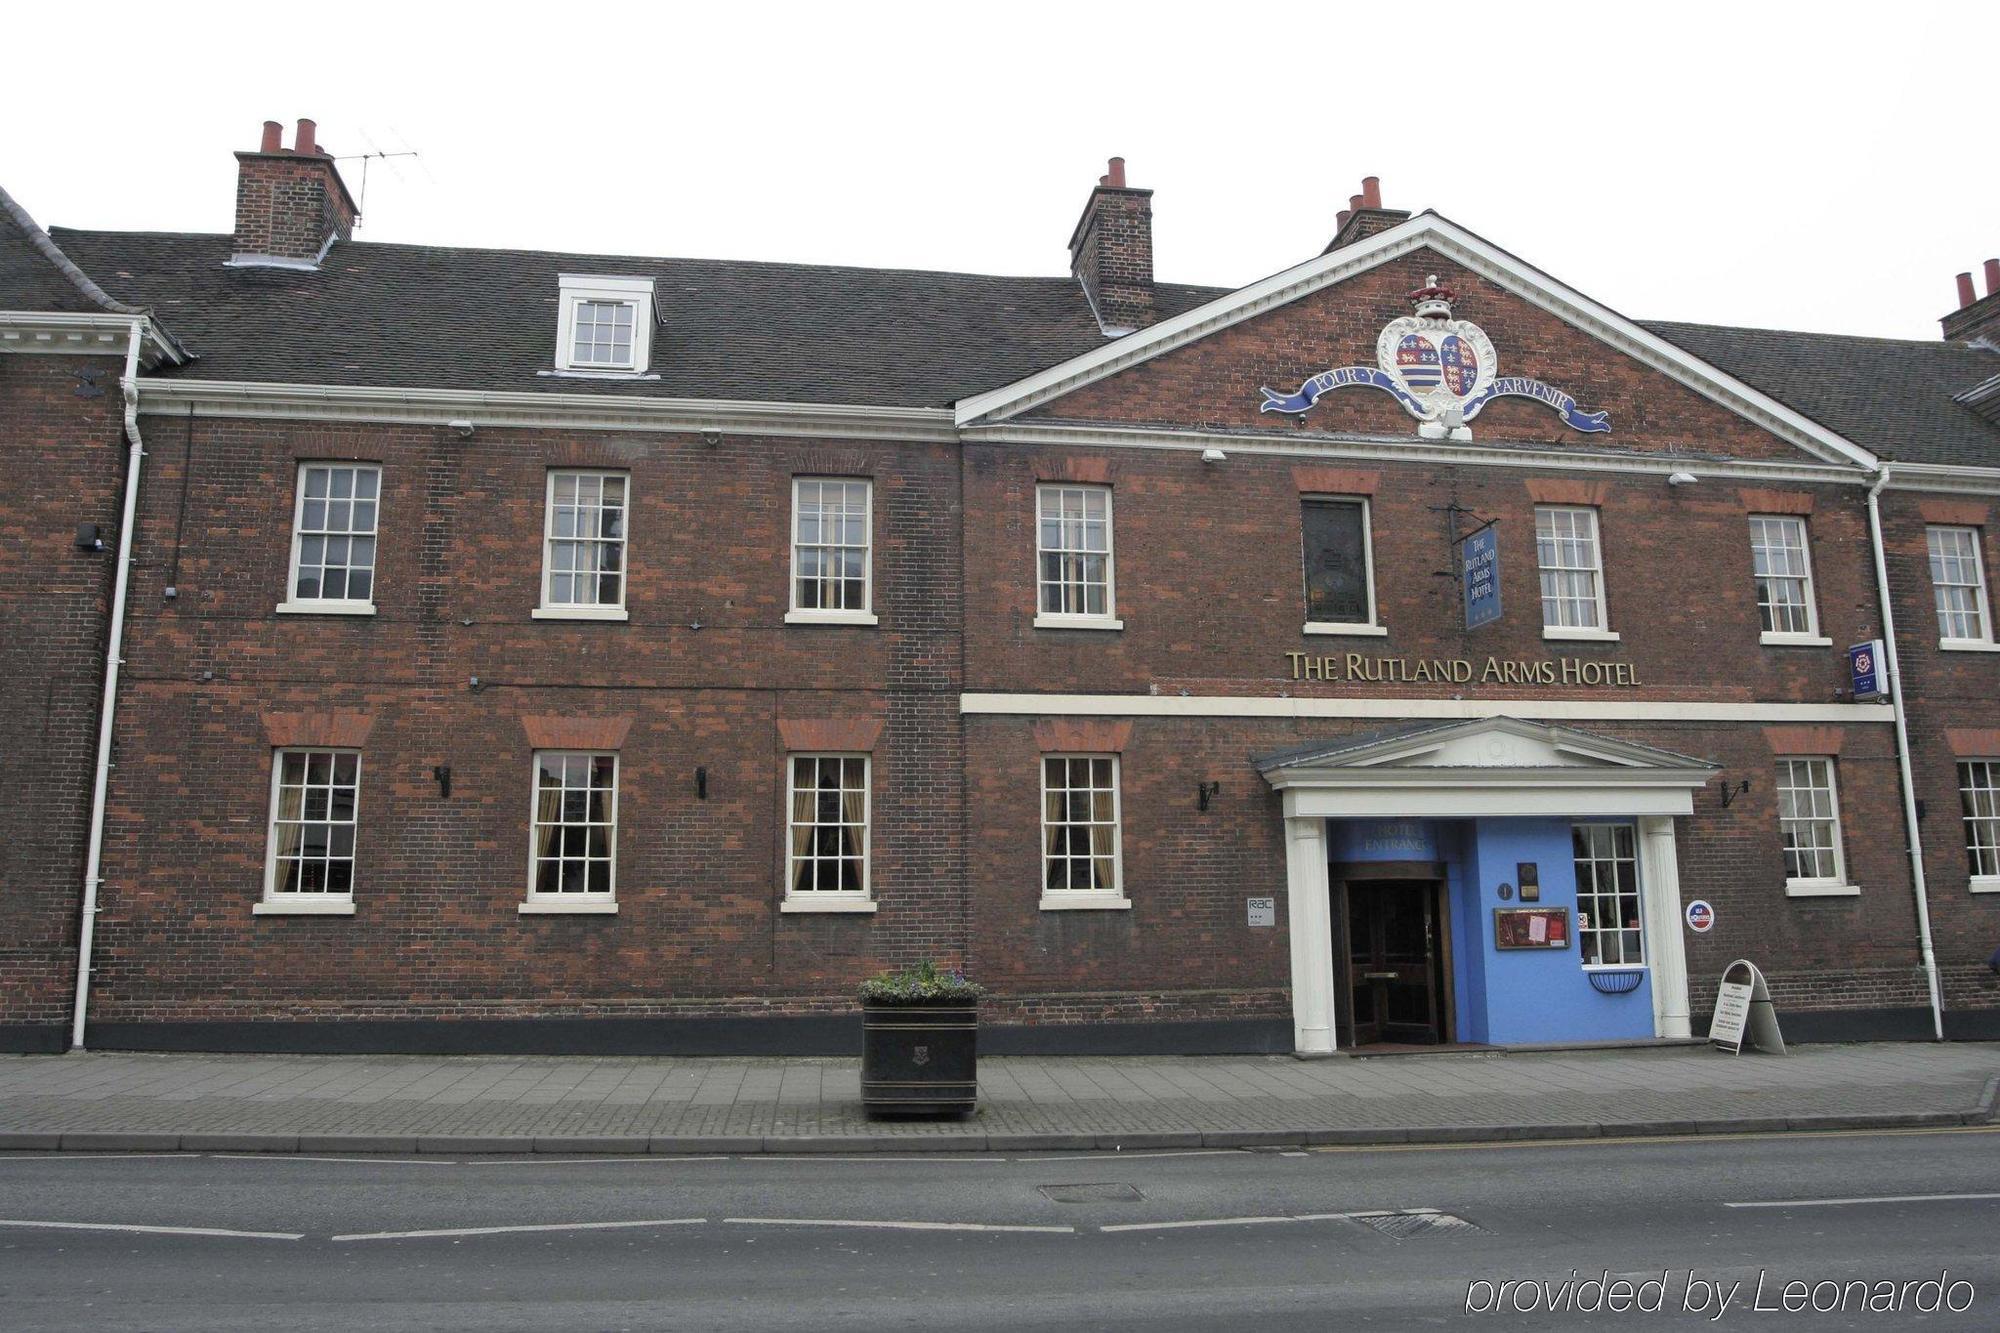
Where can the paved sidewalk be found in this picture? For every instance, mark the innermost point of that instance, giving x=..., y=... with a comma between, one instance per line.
x=668, y=1104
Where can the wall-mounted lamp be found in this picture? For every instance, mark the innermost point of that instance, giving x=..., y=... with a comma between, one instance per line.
x=442, y=773
x=474, y=685
x=701, y=784
x=1205, y=792
x=463, y=427
x=1682, y=479
x=87, y=385
x=1730, y=793
x=89, y=537
x=1213, y=455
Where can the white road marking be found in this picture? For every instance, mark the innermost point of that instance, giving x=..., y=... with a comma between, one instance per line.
x=1883, y=1198
x=152, y=1231
x=505, y=1231
x=1260, y=1221
x=82, y=1155
x=546, y=1160
x=1197, y=1222
x=898, y=1157
x=344, y=1161
x=892, y=1226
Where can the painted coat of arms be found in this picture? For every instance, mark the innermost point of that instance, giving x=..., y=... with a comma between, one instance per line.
x=1442, y=369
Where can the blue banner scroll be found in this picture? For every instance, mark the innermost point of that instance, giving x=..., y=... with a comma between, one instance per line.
x=1516, y=386
x=1328, y=380
x=1507, y=386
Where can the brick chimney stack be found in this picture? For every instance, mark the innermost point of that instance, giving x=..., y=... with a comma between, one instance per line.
x=290, y=202
x=1364, y=216
x=1977, y=318
x=1111, y=252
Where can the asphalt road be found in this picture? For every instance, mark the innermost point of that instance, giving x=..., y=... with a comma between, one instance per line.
x=1194, y=1241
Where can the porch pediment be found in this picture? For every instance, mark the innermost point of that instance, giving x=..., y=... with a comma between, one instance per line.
x=1493, y=766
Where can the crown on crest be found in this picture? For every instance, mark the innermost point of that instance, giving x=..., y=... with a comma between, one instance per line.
x=1433, y=301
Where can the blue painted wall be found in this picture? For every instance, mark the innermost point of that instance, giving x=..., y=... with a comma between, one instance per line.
x=1516, y=995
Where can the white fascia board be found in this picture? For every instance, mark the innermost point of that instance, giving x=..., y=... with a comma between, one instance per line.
x=1944, y=477
x=1282, y=706
x=1482, y=257
x=496, y=410
x=85, y=334
x=1308, y=445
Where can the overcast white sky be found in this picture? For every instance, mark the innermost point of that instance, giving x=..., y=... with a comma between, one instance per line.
x=1815, y=166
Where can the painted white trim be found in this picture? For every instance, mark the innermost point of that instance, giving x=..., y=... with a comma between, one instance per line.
x=831, y=618
x=1350, y=631
x=1583, y=633
x=594, y=905
x=579, y=612
x=1306, y=444
x=492, y=410
x=1553, y=710
x=1044, y=620
x=1454, y=242
x=1078, y=901
x=1660, y=913
x=1810, y=635
x=1968, y=646
x=828, y=903
x=326, y=905
x=1309, y=922
x=1983, y=884
x=1815, y=888
x=321, y=607
x=1947, y=477
x=1778, y=639
x=57, y=334
x=576, y=289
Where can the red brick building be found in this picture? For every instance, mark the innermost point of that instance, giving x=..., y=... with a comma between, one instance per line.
x=539, y=651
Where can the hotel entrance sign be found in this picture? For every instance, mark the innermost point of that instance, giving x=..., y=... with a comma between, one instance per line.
x=1743, y=1002
x=1479, y=568
x=1864, y=664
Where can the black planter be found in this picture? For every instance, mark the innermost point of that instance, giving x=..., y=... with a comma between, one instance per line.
x=919, y=1059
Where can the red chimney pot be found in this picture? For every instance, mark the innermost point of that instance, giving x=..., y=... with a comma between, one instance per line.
x=1116, y=178
x=274, y=138
x=1340, y=219
x=1966, y=294
x=1371, y=191
x=307, y=142
x=1356, y=203
x=1992, y=276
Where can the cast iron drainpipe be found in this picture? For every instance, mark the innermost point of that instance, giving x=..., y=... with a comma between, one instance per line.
x=1903, y=752
x=128, y=385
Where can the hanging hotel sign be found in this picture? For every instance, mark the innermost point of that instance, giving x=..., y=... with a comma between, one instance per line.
x=1443, y=371
x=1363, y=669
x=1479, y=568
x=1864, y=665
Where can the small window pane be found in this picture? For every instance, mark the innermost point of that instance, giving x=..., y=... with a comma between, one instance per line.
x=333, y=539
x=828, y=846
x=830, y=544
x=1080, y=827
x=314, y=809
x=584, y=552
x=1608, y=928
x=1074, y=534
x=573, y=832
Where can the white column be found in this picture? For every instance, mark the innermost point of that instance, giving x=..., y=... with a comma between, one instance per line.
x=1666, y=947
x=1308, y=917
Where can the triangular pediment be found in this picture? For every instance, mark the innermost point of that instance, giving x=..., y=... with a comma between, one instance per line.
x=1627, y=389
x=1488, y=743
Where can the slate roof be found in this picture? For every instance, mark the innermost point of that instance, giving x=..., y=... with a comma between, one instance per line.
x=1890, y=396
x=408, y=316
x=35, y=275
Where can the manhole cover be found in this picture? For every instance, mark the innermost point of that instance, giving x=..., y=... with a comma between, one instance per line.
x=1109, y=1193
x=1411, y=1223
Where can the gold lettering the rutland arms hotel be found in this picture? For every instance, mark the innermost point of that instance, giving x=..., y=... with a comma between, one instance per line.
x=1459, y=670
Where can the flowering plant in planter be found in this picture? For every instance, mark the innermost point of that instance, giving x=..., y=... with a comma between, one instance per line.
x=920, y=1042
x=922, y=984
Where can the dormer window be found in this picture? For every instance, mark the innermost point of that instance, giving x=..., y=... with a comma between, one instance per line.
x=606, y=326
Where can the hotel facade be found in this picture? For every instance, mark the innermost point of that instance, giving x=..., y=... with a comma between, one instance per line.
x=419, y=648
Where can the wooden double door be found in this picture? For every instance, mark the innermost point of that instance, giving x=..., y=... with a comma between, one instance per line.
x=1395, y=946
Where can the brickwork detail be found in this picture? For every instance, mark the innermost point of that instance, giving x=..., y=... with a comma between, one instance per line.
x=576, y=733
x=1335, y=481
x=1076, y=735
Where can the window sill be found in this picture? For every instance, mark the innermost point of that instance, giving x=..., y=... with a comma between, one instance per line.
x=1820, y=888
x=1968, y=646
x=1775, y=639
x=1085, y=902
x=830, y=618
x=580, y=613
x=326, y=608
x=1616, y=967
x=578, y=373
x=1046, y=621
x=1985, y=884
x=588, y=907
x=304, y=907
x=862, y=905
x=1357, y=631
x=1564, y=634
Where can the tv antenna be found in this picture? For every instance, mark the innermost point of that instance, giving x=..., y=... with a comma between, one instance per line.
x=377, y=153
